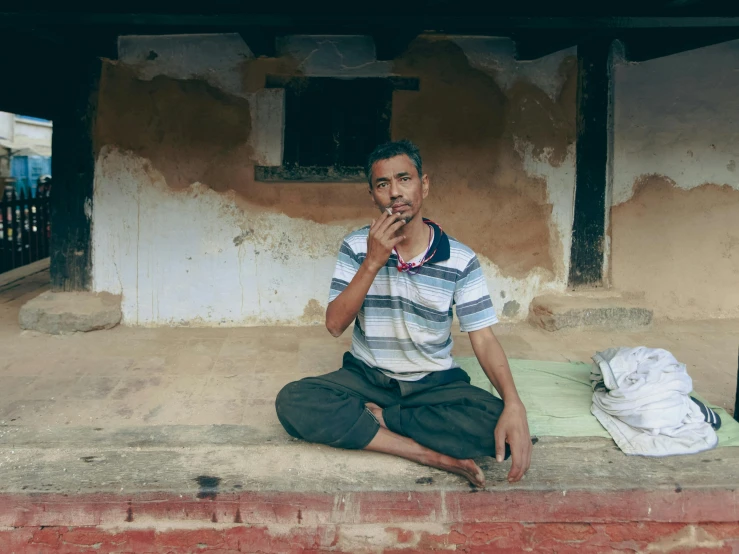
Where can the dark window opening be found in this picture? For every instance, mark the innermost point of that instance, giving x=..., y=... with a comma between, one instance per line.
x=331, y=125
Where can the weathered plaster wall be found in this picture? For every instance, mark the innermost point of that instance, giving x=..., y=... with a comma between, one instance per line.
x=186, y=234
x=675, y=216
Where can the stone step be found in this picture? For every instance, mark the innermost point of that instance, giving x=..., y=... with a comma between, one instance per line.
x=182, y=489
x=58, y=313
x=597, y=309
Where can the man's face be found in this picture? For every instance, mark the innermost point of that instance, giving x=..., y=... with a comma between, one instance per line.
x=396, y=184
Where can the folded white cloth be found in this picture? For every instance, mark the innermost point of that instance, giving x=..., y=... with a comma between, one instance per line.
x=641, y=396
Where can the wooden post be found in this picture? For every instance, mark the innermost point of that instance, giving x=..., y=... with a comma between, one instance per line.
x=589, y=222
x=23, y=233
x=736, y=394
x=73, y=168
x=4, y=236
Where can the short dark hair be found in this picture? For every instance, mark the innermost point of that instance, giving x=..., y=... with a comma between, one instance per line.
x=391, y=150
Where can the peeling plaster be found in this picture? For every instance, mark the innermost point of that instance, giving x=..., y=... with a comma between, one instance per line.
x=199, y=256
x=215, y=58
x=537, y=282
x=329, y=56
x=679, y=248
x=187, y=267
x=561, y=195
x=674, y=231
x=496, y=56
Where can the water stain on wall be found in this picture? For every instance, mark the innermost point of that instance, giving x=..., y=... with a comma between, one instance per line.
x=680, y=247
x=511, y=308
x=314, y=312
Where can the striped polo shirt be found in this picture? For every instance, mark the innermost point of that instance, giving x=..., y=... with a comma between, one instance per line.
x=404, y=325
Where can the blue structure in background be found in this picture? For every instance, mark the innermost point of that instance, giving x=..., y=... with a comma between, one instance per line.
x=26, y=170
x=26, y=166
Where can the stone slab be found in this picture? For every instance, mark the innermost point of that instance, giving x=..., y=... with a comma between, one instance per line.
x=182, y=489
x=143, y=460
x=58, y=313
x=554, y=312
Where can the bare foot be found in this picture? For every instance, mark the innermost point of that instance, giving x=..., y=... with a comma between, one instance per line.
x=391, y=443
x=466, y=468
x=377, y=412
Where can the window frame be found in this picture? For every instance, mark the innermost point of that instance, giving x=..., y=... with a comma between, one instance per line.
x=291, y=170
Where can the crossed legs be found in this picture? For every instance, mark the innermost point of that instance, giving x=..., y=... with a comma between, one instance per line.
x=443, y=427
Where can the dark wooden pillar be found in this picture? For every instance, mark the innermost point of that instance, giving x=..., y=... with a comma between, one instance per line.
x=736, y=395
x=73, y=168
x=589, y=223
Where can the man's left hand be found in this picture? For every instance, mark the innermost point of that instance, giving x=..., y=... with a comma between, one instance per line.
x=513, y=428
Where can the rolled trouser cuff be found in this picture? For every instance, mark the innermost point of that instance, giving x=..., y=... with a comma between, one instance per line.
x=360, y=434
x=391, y=415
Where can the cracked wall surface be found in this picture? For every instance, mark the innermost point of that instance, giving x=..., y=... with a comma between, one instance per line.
x=187, y=235
x=675, y=215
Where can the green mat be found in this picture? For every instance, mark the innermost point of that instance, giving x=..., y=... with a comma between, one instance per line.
x=558, y=396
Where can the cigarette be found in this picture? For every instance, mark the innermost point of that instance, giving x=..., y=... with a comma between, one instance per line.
x=389, y=211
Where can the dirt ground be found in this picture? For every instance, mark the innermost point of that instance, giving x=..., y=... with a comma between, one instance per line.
x=166, y=376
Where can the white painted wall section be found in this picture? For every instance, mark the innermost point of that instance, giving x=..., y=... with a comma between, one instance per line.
x=268, y=126
x=677, y=116
x=6, y=126
x=193, y=258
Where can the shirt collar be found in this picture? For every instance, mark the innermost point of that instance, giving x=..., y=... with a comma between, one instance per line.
x=440, y=245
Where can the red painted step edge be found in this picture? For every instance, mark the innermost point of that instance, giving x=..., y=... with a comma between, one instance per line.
x=266, y=508
x=474, y=538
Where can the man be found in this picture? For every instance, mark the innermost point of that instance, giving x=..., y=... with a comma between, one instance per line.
x=399, y=390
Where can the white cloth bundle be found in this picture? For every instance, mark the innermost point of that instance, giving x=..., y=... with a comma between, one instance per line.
x=641, y=396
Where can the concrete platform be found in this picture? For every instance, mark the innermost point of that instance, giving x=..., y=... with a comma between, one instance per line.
x=165, y=440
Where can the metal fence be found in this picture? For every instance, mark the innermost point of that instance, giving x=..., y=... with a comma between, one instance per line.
x=24, y=229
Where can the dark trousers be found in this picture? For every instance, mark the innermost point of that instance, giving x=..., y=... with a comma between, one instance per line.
x=442, y=411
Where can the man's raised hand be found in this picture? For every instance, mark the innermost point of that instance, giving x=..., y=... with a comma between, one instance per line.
x=382, y=239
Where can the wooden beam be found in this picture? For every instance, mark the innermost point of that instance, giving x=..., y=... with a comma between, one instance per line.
x=27, y=92
x=532, y=46
x=589, y=222
x=260, y=40
x=440, y=23
x=391, y=43
x=681, y=3
x=657, y=44
x=73, y=167
x=284, y=81
x=736, y=395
